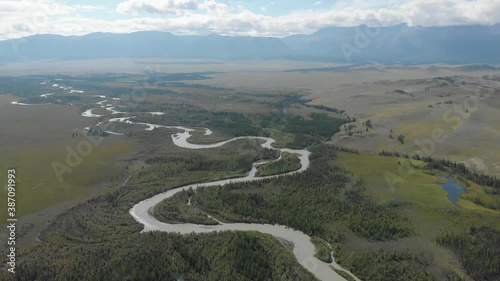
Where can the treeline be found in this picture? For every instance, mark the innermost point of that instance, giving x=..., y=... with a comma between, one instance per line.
x=321, y=125
x=27, y=86
x=310, y=201
x=233, y=124
x=305, y=132
x=478, y=251
x=385, y=265
x=289, y=162
x=394, y=154
x=326, y=108
x=161, y=256
x=230, y=124
x=172, y=77
x=238, y=162
x=461, y=170
x=193, y=86
x=236, y=157
x=176, y=210
x=97, y=132
x=454, y=168
x=345, y=149
x=51, y=99
x=290, y=99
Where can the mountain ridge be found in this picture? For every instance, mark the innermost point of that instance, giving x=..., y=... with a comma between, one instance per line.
x=398, y=43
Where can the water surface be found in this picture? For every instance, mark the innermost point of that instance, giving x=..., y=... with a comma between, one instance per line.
x=453, y=188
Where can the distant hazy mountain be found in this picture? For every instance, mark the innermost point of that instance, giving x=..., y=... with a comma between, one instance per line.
x=456, y=44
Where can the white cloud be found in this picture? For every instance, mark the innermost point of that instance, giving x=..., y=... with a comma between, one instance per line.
x=21, y=18
x=154, y=6
x=87, y=8
x=451, y=12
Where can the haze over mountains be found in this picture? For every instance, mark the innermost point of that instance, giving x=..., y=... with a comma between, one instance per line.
x=400, y=43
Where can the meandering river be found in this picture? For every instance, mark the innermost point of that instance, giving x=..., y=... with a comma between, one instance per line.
x=303, y=248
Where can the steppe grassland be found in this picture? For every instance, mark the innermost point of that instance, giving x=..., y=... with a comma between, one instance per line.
x=416, y=113
x=140, y=66
x=36, y=136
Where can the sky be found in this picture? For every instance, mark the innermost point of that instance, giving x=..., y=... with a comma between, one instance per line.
x=19, y=18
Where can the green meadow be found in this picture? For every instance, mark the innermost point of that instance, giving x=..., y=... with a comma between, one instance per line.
x=37, y=185
x=390, y=178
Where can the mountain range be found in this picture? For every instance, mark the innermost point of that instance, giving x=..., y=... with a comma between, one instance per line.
x=394, y=44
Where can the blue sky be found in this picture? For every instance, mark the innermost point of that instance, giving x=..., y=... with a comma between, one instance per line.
x=273, y=8
x=232, y=17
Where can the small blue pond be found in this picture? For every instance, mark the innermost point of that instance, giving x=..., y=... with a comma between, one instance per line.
x=453, y=188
